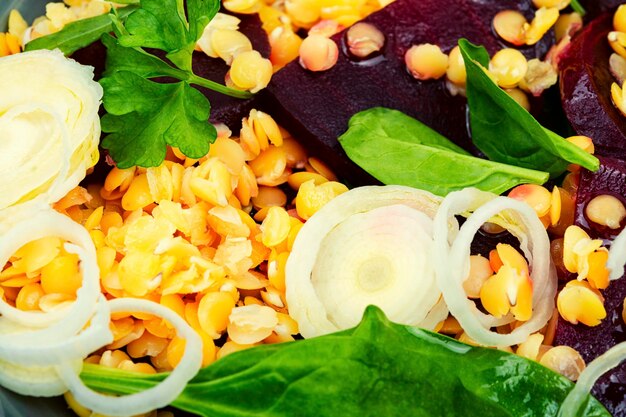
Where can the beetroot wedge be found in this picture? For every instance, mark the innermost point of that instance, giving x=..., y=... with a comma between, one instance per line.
x=586, y=89
x=316, y=107
x=596, y=7
x=225, y=109
x=593, y=341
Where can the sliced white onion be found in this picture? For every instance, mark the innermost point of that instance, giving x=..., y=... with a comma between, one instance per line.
x=370, y=245
x=156, y=397
x=36, y=381
x=617, y=256
x=43, y=224
x=595, y=369
x=453, y=261
x=56, y=350
x=46, y=99
x=435, y=316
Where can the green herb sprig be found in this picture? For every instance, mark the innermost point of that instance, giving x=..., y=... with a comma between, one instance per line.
x=397, y=149
x=78, y=34
x=505, y=131
x=145, y=115
x=577, y=7
x=376, y=369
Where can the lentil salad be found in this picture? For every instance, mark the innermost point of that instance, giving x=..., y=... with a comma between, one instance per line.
x=211, y=237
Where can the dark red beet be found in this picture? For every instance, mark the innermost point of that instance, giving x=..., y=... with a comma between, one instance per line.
x=586, y=89
x=593, y=341
x=316, y=107
x=609, y=179
x=224, y=109
x=596, y=7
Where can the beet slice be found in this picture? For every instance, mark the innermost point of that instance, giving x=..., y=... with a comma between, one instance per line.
x=224, y=109
x=316, y=107
x=593, y=341
x=609, y=179
x=596, y=7
x=585, y=82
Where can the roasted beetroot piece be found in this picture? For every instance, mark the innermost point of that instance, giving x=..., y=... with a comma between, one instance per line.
x=586, y=89
x=596, y=7
x=224, y=109
x=593, y=341
x=610, y=179
x=316, y=106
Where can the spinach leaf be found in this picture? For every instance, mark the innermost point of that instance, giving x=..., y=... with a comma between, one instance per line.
x=505, y=131
x=376, y=369
x=397, y=149
x=79, y=34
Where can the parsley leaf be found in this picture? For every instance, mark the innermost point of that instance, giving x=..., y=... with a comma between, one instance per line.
x=137, y=61
x=78, y=34
x=143, y=116
x=200, y=14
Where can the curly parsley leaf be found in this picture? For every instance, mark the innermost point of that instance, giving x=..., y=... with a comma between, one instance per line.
x=145, y=116
x=162, y=24
x=137, y=61
x=578, y=8
x=200, y=13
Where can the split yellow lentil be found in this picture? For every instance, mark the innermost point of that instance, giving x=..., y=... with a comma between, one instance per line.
x=318, y=53
x=426, y=61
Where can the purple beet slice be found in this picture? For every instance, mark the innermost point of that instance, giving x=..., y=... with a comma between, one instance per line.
x=596, y=7
x=586, y=89
x=224, y=109
x=609, y=179
x=316, y=107
x=593, y=341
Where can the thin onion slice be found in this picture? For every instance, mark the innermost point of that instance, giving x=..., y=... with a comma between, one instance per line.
x=576, y=398
x=63, y=322
x=35, y=381
x=41, y=114
x=156, y=397
x=27, y=132
x=20, y=352
x=453, y=261
x=370, y=245
x=617, y=256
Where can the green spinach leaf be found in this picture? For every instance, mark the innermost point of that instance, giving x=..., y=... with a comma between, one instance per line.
x=376, y=369
x=397, y=149
x=79, y=34
x=505, y=131
x=143, y=116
